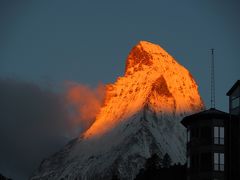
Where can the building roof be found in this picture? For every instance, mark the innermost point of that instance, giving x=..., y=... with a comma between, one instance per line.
x=206, y=114
x=237, y=83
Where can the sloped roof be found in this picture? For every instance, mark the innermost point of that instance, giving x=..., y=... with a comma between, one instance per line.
x=237, y=83
x=206, y=114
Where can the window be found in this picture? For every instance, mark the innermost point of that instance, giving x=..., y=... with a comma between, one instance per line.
x=235, y=102
x=218, y=135
x=235, y=93
x=218, y=161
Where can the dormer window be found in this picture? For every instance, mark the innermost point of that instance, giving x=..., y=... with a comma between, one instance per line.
x=235, y=102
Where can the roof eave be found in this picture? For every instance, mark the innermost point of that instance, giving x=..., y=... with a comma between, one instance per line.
x=237, y=83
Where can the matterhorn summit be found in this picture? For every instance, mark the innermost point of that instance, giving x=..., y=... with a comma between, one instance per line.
x=141, y=116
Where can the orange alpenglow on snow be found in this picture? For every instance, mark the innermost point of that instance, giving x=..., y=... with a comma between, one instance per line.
x=153, y=79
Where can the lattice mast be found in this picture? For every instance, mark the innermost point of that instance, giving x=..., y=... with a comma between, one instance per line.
x=212, y=80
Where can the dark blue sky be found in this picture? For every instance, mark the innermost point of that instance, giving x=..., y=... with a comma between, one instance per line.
x=48, y=42
x=44, y=43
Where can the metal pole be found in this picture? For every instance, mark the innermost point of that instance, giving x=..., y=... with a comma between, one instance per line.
x=212, y=80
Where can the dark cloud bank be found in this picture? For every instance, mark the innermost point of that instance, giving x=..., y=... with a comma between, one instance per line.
x=33, y=124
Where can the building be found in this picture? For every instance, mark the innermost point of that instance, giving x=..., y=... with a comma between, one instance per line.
x=233, y=131
x=213, y=141
x=234, y=99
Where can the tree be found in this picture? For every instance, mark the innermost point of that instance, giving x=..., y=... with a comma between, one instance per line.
x=153, y=163
x=4, y=178
x=115, y=177
x=167, y=161
x=156, y=169
x=151, y=168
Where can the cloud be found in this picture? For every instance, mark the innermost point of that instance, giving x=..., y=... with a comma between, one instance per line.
x=36, y=122
x=33, y=124
x=84, y=103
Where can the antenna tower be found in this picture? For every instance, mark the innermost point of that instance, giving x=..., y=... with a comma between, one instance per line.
x=212, y=80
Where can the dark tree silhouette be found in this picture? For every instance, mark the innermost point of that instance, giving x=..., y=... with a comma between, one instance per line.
x=115, y=177
x=151, y=168
x=154, y=162
x=155, y=169
x=167, y=161
x=4, y=178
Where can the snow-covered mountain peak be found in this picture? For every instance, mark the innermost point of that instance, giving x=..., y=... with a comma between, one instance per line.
x=141, y=116
x=152, y=78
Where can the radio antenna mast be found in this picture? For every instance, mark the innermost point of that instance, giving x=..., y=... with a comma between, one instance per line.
x=212, y=80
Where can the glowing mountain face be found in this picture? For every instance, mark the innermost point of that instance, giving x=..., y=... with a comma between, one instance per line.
x=141, y=116
x=152, y=79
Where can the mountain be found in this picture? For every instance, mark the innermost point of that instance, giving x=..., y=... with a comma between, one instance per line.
x=140, y=116
x=3, y=177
